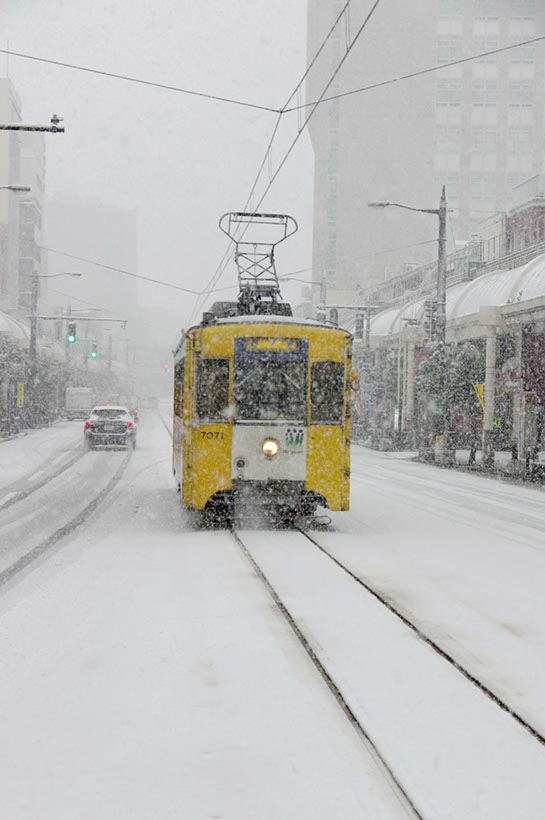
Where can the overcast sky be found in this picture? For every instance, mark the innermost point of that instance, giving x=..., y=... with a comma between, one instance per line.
x=180, y=160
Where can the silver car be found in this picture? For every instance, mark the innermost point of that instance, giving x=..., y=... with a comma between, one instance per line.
x=109, y=426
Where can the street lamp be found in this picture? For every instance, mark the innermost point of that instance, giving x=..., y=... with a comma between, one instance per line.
x=18, y=189
x=441, y=212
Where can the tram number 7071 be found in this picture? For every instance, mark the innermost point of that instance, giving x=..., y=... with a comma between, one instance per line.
x=209, y=436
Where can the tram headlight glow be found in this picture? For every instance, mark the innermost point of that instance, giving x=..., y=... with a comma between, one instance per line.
x=270, y=448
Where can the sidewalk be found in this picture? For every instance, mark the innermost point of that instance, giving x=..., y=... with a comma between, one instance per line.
x=503, y=464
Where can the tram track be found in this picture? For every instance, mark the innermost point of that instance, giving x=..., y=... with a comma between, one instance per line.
x=369, y=743
x=23, y=561
x=347, y=690
x=390, y=606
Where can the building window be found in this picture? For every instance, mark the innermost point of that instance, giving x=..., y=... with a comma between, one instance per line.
x=519, y=163
x=451, y=26
x=486, y=27
x=521, y=27
x=521, y=71
x=483, y=139
x=448, y=114
x=446, y=162
x=521, y=92
x=448, y=91
x=483, y=162
x=486, y=7
x=448, y=48
x=484, y=115
x=484, y=91
x=447, y=139
x=482, y=185
x=487, y=43
x=447, y=7
x=520, y=115
x=485, y=70
x=520, y=140
x=523, y=6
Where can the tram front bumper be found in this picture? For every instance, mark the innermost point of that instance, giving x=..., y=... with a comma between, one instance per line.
x=269, y=493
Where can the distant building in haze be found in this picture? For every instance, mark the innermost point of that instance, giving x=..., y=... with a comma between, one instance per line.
x=87, y=229
x=477, y=127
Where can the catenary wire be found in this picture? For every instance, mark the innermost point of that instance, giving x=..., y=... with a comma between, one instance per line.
x=302, y=128
x=403, y=77
x=364, y=256
x=121, y=270
x=155, y=327
x=218, y=273
x=150, y=83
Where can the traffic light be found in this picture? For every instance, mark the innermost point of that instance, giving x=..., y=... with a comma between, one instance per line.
x=71, y=335
x=94, y=351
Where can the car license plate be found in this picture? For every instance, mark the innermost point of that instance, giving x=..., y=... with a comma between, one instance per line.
x=109, y=428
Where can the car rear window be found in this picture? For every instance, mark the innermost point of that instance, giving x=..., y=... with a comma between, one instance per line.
x=109, y=412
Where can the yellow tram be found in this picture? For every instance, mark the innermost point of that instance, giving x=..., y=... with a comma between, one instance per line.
x=262, y=412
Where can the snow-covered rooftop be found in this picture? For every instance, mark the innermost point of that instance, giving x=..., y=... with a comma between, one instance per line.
x=497, y=288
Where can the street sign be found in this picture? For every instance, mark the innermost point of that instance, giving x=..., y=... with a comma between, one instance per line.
x=20, y=394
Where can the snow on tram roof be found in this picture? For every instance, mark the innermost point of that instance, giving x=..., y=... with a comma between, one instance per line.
x=274, y=320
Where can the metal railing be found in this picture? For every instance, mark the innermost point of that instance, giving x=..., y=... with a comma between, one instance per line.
x=473, y=260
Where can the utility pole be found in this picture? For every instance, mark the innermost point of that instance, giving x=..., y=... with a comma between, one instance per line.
x=442, y=269
x=109, y=351
x=34, y=295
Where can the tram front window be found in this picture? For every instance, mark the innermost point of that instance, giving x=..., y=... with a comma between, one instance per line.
x=266, y=390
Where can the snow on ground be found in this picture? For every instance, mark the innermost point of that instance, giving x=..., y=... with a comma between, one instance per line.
x=464, y=556
x=42, y=449
x=454, y=751
x=145, y=674
x=26, y=524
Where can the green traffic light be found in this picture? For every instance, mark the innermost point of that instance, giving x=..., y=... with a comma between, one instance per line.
x=71, y=338
x=94, y=354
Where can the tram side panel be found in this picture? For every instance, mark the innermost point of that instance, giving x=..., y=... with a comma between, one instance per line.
x=328, y=454
x=207, y=427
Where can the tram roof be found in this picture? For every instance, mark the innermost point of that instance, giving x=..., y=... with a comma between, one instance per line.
x=266, y=319
x=496, y=288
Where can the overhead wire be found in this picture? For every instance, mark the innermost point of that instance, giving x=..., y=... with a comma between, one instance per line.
x=403, y=77
x=155, y=327
x=305, y=123
x=218, y=273
x=120, y=270
x=138, y=81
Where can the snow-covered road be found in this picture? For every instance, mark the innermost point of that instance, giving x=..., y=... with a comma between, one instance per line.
x=146, y=673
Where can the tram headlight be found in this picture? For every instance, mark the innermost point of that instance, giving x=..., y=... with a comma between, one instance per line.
x=270, y=448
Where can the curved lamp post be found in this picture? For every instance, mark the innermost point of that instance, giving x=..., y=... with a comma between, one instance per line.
x=440, y=212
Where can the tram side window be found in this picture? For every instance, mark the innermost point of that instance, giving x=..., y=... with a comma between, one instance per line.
x=179, y=388
x=213, y=389
x=326, y=393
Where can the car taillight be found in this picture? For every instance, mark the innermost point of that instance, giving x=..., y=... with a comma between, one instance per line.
x=87, y=423
x=129, y=424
